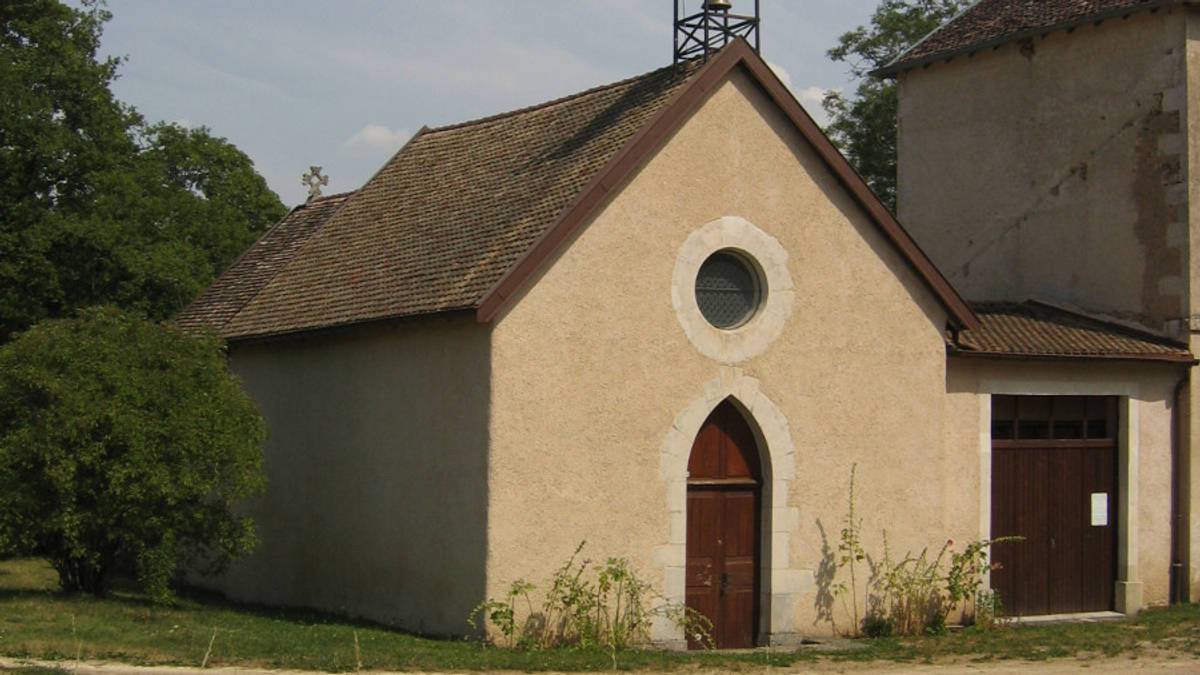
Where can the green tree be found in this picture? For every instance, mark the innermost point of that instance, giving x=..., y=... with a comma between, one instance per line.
x=863, y=126
x=96, y=205
x=124, y=444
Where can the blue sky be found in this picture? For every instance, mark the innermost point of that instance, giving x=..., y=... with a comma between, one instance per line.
x=342, y=83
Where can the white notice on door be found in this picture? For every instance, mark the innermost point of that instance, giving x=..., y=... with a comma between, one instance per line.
x=1099, y=509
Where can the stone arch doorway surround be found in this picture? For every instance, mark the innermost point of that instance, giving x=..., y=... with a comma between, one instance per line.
x=783, y=584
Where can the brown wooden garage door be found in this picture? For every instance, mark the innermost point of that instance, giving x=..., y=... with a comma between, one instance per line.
x=1054, y=482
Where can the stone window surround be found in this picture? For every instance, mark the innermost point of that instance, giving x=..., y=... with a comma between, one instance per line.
x=1128, y=595
x=782, y=584
x=778, y=296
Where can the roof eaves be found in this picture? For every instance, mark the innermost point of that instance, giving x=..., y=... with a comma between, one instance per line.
x=901, y=56
x=1177, y=358
x=899, y=64
x=335, y=328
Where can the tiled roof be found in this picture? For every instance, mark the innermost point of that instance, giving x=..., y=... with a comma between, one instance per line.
x=451, y=212
x=992, y=22
x=1035, y=329
x=464, y=215
x=250, y=273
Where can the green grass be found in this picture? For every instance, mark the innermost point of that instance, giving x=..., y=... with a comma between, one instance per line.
x=1173, y=630
x=39, y=623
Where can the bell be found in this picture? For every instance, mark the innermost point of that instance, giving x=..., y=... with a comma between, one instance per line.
x=718, y=5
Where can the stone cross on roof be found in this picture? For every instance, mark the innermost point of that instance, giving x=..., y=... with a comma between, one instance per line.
x=313, y=180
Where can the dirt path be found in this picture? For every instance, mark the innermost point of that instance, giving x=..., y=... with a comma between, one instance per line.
x=1143, y=665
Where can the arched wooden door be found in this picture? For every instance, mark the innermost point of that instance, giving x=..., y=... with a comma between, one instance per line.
x=724, y=492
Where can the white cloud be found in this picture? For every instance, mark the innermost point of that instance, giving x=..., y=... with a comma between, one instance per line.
x=377, y=138
x=781, y=73
x=811, y=96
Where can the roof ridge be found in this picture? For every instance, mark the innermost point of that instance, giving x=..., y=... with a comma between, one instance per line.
x=325, y=198
x=562, y=99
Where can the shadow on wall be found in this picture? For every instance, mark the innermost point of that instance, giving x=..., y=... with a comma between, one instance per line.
x=377, y=473
x=825, y=576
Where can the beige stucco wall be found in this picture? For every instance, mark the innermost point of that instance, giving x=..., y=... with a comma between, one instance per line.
x=1055, y=168
x=376, y=463
x=592, y=371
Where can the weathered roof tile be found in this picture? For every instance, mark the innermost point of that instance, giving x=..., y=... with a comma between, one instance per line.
x=462, y=215
x=993, y=22
x=250, y=273
x=1036, y=329
x=449, y=214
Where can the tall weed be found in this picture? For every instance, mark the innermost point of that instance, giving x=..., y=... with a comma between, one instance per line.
x=607, y=606
x=914, y=594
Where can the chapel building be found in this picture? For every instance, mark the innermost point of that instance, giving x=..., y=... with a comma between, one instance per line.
x=665, y=316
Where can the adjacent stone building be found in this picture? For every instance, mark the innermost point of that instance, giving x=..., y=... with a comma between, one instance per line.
x=1046, y=151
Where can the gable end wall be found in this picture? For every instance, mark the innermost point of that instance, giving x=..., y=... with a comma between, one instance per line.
x=596, y=386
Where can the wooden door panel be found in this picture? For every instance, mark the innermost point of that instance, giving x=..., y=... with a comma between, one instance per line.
x=741, y=458
x=740, y=527
x=703, y=555
x=1018, y=494
x=723, y=528
x=737, y=625
x=705, y=461
x=741, y=523
x=1041, y=490
x=1067, y=520
x=705, y=604
x=1005, y=556
x=1099, y=543
x=703, y=540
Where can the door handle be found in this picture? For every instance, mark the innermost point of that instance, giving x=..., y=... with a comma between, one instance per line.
x=724, y=582
x=1052, y=542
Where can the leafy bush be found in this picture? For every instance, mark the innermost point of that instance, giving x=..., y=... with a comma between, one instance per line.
x=612, y=610
x=124, y=443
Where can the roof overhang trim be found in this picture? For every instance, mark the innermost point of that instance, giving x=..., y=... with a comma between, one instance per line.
x=899, y=64
x=1177, y=359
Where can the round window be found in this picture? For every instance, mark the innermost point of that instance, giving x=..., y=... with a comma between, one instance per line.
x=728, y=289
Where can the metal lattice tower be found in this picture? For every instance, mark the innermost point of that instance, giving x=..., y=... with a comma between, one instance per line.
x=699, y=34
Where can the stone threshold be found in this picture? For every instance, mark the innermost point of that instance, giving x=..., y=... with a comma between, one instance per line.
x=1081, y=617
